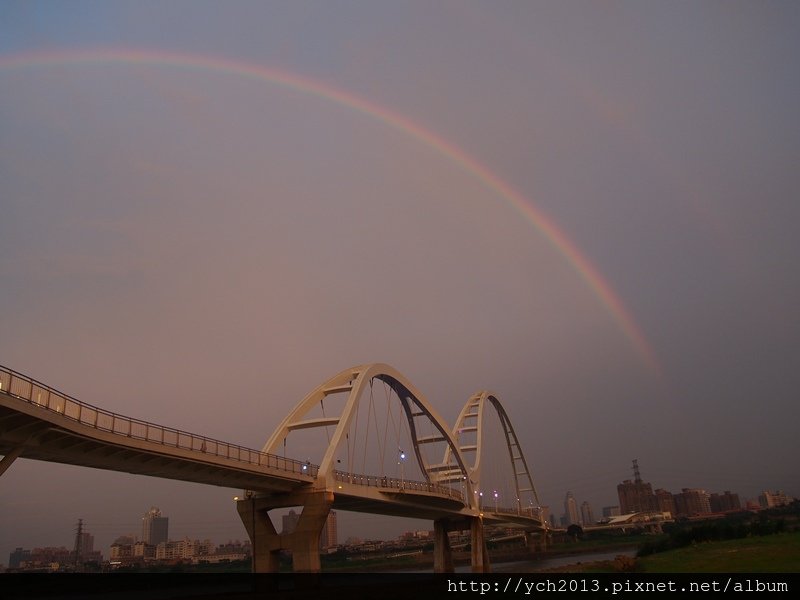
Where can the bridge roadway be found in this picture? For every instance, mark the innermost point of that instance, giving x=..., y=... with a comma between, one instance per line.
x=40, y=423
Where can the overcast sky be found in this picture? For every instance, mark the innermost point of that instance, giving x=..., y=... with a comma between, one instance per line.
x=589, y=208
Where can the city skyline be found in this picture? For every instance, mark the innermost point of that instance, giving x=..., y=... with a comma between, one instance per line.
x=589, y=209
x=286, y=519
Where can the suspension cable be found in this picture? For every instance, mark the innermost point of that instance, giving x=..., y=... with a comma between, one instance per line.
x=385, y=429
x=355, y=442
x=327, y=433
x=381, y=445
x=394, y=426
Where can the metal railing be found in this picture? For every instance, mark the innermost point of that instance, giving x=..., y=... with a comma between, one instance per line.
x=38, y=394
x=398, y=484
x=533, y=512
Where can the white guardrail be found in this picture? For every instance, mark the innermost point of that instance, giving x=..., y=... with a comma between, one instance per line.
x=34, y=392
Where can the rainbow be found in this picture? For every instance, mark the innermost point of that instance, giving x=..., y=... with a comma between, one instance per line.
x=544, y=225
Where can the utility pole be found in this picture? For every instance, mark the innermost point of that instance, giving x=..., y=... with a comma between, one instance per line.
x=78, y=545
x=637, y=477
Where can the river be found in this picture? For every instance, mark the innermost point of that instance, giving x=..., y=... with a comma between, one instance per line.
x=538, y=564
x=533, y=565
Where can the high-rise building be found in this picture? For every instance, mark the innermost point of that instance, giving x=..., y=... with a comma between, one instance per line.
x=18, y=557
x=725, y=502
x=587, y=515
x=329, y=537
x=665, y=501
x=571, y=516
x=769, y=499
x=144, y=550
x=155, y=528
x=290, y=521
x=611, y=511
x=86, y=544
x=636, y=495
x=692, y=501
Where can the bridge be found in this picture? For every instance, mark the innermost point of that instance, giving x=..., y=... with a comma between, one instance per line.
x=378, y=445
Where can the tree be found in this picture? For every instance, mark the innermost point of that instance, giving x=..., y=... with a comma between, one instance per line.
x=575, y=531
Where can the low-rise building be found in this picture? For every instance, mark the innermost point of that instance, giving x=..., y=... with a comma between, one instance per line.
x=772, y=499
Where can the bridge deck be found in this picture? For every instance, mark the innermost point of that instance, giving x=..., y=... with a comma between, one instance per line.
x=40, y=423
x=46, y=435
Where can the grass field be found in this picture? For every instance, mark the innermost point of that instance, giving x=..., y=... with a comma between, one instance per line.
x=778, y=553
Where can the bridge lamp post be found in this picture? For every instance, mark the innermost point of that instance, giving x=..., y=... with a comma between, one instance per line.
x=402, y=468
x=495, y=500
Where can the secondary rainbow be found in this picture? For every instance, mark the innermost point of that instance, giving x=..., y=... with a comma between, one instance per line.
x=546, y=227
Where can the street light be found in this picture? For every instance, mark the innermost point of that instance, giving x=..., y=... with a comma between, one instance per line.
x=495, y=501
x=402, y=467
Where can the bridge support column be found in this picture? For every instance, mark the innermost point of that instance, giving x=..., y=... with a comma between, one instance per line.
x=442, y=554
x=479, y=554
x=303, y=541
x=536, y=542
x=262, y=534
x=9, y=458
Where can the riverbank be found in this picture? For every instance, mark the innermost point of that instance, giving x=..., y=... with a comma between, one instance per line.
x=778, y=553
x=519, y=560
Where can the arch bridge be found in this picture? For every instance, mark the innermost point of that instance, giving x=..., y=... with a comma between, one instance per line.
x=365, y=440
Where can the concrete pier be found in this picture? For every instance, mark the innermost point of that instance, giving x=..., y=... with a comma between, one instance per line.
x=303, y=542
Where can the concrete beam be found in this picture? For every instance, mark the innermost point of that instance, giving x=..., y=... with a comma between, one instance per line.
x=9, y=458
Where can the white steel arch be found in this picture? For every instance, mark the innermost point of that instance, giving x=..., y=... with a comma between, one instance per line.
x=355, y=381
x=471, y=420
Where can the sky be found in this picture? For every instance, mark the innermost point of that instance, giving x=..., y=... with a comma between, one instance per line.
x=589, y=208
